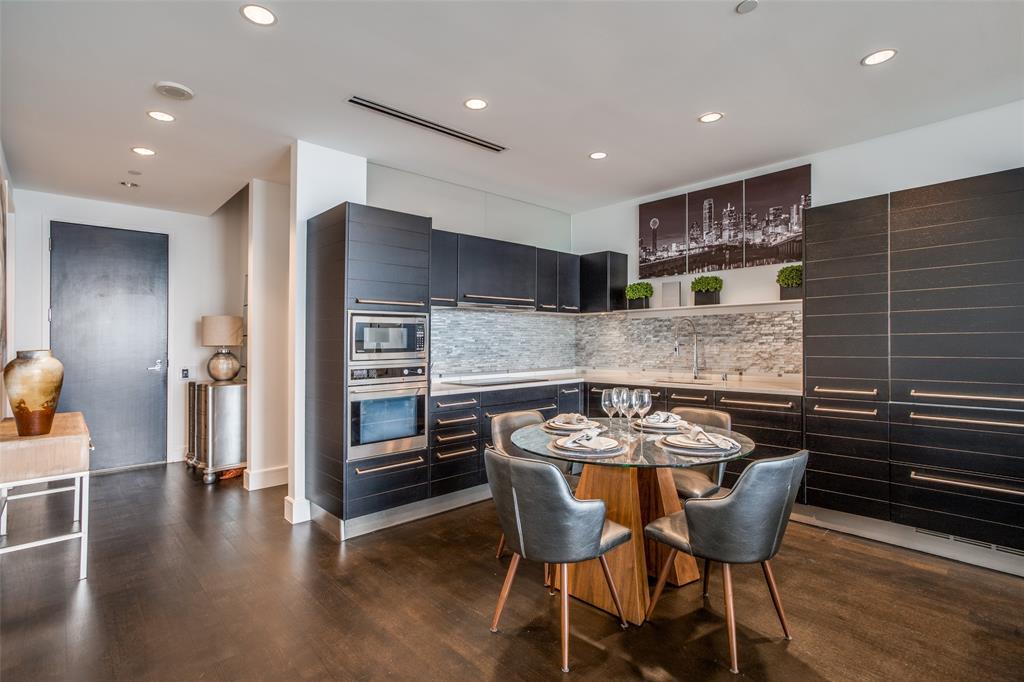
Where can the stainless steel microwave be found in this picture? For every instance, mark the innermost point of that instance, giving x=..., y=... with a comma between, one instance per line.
x=380, y=336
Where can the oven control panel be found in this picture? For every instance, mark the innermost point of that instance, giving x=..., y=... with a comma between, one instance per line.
x=388, y=374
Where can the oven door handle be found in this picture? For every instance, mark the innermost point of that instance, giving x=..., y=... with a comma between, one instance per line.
x=362, y=394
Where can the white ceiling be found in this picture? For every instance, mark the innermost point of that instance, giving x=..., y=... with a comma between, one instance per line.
x=563, y=79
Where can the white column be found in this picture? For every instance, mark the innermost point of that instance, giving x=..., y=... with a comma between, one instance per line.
x=320, y=179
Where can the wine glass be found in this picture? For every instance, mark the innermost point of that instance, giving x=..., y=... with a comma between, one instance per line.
x=641, y=400
x=630, y=410
x=608, y=402
x=620, y=397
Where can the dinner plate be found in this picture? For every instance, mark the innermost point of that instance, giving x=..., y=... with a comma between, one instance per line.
x=560, y=426
x=656, y=428
x=681, y=440
x=598, y=444
x=586, y=453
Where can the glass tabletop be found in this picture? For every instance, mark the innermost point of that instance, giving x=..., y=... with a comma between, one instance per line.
x=641, y=449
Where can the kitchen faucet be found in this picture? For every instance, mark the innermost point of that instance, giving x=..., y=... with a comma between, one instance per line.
x=693, y=327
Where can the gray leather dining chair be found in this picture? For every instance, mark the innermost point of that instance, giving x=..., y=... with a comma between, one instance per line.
x=706, y=479
x=543, y=521
x=502, y=428
x=744, y=527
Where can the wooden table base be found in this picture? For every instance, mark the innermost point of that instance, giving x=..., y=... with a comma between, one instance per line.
x=633, y=497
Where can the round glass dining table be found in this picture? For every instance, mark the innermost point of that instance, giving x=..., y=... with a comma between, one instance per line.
x=637, y=487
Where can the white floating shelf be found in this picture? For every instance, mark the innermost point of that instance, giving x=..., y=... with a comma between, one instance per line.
x=712, y=309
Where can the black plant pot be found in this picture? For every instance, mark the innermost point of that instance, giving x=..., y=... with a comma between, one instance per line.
x=791, y=293
x=707, y=297
x=639, y=303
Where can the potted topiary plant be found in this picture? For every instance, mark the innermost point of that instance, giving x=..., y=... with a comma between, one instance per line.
x=791, y=282
x=707, y=290
x=638, y=295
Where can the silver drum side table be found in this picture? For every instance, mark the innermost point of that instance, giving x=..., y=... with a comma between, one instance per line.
x=216, y=427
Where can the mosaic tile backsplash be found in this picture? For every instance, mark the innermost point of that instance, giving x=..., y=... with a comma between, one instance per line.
x=465, y=341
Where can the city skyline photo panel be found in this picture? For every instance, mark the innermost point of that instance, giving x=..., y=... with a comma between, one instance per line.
x=773, y=216
x=663, y=237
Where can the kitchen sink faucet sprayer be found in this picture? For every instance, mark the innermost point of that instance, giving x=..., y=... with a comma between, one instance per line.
x=693, y=327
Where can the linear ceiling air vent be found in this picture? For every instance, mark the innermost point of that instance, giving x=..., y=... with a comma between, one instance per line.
x=424, y=123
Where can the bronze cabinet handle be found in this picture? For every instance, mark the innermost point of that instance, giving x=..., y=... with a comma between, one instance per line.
x=387, y=467
x=847, y=391
x=461, y=403
x=548, y=306
x=570, y=390
x=378, y=301
x=596, y=390
x=837, y=410
x=962, y=420
x=456, y=453
x=499, y=298
x=571, y=307
x=965, y=484
x=962, y=396
x=460, y=420
x=543, y=407
x=696, y=398
x=442, y=298
x=658, y=395
x=755, y=403
x=457, y=436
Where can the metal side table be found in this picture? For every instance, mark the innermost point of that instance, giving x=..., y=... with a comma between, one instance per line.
x=216, y=427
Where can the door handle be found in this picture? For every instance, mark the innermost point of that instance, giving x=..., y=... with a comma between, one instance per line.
x=158, y=366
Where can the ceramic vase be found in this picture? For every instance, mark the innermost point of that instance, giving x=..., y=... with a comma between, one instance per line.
x=33, y=380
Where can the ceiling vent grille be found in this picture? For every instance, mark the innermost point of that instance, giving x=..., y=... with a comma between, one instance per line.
x=424, y=123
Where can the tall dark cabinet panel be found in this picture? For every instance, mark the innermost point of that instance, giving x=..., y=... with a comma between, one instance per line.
x=603, y=281
x=388, y=265
x=957, y=298
x=568, y=283
x=846, y=356
x=547, y=280
x=496, y=272
x=444, y=268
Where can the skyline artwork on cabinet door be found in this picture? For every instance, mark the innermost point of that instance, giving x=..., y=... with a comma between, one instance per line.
x=663, y=237
x=715, y=228
x=773, y=216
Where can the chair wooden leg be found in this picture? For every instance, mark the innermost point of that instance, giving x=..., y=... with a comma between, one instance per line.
x=565, y=617
x=730, y=618
x=501, y=546
x=547, y=575
x=615, y=592
x=773, y=588
x=662, y=579
x=505, y=588
x=707, y=576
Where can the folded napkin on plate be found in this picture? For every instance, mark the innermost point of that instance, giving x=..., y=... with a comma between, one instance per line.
x=662, y=418
x=587, y=439
x=570, y=418
x=699, y=435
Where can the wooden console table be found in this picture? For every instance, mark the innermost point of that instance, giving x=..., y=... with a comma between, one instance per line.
x=61, y=455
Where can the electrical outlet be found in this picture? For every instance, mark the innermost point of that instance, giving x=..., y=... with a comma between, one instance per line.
x=184, y=372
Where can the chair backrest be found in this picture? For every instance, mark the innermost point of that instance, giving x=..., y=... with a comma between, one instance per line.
x=704, y=416
x=747, y=525
x=541, y=519
x=505, y=424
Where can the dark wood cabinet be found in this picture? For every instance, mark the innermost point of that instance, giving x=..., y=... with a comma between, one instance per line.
x=456, y=443
x=388, y=260
x=603, y=281
x=547, y=280
x=568, y=283
x=444, y=268
x=496, y=273
x=570, y=398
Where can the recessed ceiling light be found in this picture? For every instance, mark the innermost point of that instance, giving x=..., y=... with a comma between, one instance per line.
x=258, y=15
x=710, y=117
x=597, y=156
x=174, y=90
x=143, y=151
x=746, y=7
x=129, y=184
x=161, y=116
x=879, y=57
x=476, y=104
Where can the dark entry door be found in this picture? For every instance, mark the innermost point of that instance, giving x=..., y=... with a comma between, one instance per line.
x=108, y=325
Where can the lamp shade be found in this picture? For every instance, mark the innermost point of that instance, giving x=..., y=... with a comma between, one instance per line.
x=219, y=331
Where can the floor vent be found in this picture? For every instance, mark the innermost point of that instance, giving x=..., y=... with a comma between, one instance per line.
x=1010, y=550
x=976, y=543
x=424, y=123
x=922, y=531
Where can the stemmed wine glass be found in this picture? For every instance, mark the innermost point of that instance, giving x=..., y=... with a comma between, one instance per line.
x=620, y=397
x=641, y=401
x=608, y=402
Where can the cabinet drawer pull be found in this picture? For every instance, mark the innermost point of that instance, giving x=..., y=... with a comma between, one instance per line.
x=442, y=298
x=755, y=403
x=461, y=403
x=499, y=298
x=548, y=306
x=961, y=420
x=460, y=420
x=387, y=467
x=596, y=390
x=658, y=395
x=965, y=484
x=837, y=410
x=456, y=453
x=695, y=398
x=962, y=396
x=542, y=407
x=378, y=301
x=570, y=390
x=847, y=391
x=456, y=436
x=571, y=307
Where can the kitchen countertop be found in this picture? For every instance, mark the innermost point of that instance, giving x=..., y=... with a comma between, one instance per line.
x=786, y=385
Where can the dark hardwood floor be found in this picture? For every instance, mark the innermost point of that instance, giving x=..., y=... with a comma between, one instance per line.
x=194, y=582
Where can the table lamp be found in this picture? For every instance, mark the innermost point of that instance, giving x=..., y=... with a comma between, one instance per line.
x=220, y=332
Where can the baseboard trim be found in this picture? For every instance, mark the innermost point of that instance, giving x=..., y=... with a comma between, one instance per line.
x=265, y=478
x=910, y=538
x=296, y=511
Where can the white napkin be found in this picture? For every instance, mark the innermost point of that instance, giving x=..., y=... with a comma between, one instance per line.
x=570, y=418
x=585, y=438
x=662, y=418
x=699, y=435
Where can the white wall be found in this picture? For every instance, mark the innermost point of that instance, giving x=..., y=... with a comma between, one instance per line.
x=977, y=143
x=267, y=376
x=320, y=178
x=463, y=209
x=204, y=278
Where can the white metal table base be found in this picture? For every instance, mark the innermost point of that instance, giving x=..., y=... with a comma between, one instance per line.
x=81, y=513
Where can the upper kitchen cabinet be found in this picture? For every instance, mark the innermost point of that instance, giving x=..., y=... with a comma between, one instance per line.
x=547, y=280
x=444, y=268
x=388, y=260
x=496, y=272
x=603, y=281
x=568, y=283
